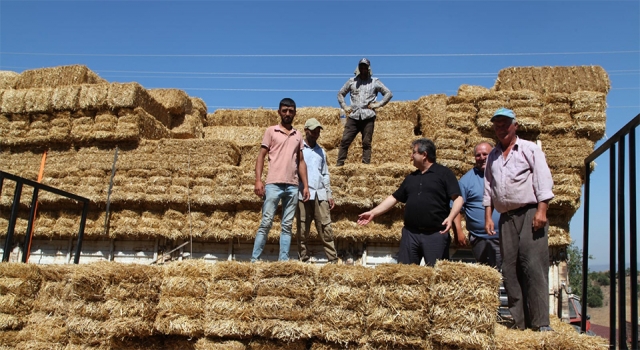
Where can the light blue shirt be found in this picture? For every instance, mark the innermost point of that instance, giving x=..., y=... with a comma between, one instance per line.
x=317, y=173
x=472, y=188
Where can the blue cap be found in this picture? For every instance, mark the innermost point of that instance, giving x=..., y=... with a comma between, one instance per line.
x=503, y=112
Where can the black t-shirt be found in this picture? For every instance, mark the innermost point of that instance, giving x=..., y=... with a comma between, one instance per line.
x=427, y=197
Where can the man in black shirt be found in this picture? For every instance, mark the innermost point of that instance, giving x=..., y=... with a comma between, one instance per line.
x=427, y=193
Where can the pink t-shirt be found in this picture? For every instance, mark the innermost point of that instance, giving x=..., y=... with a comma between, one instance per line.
x=283, y=154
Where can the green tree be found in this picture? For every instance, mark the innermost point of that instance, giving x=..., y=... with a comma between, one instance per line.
x=574, y=266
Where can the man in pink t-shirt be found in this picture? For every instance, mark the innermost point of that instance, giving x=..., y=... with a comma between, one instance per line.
x=287, y=168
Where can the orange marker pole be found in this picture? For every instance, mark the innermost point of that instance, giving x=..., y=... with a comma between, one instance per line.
x=40, y=176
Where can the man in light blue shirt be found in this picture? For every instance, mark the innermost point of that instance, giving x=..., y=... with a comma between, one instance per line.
x=320, y=201
x=486, y=248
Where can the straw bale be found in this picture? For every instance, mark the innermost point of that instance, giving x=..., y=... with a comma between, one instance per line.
x=399, y=111
x=10, y=321
x=187, y=127
x=554, y=79
x=472, y=92
x=341, y=297
x=291, y=268
x=590, y=116
x=15, y=305
x=38, y=100
x=588, y=101
x=57, y=76
x=431, y=113
x=19, y=286
x=280, y=308
x=562, y=338
x=243, y=117
x=289, y=331
x=9, y=339
x=8, y=79
x=66, y=98
x=176, y=101
x=216, y=344
x=241, y=135
x=228, y=328
x=183, y=287
x=42, y=327
x=13, y=101
x=93, y=96
x=199, y=107
x=133, y=95
x=393, y=341
x=553, y=108
x=231, y=290
x=461, y=121
x=345, y=275
x=268, y=344
x=84, y=330
x=399, y=322
x=338, y=325
x=120, y=327
x=593, y=130
x=173, y=323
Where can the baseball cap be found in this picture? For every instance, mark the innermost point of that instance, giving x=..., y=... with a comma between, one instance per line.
x=503, y=112
x=364, y=61
x=312, y=124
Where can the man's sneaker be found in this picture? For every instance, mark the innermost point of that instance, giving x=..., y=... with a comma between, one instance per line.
x=543, y=329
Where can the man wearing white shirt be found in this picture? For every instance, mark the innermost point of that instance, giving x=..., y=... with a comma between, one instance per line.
x=320, y=201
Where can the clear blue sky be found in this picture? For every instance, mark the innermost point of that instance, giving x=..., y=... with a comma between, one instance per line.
x=252, y=53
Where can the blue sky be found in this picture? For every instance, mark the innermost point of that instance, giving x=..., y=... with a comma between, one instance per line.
x=248, y=54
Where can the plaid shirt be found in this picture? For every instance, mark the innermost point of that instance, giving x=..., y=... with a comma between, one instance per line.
x=363, y=92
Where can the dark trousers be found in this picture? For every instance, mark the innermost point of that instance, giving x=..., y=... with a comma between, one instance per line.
x=486, y=251
x=351, y=130
x=415, y=245
x=525, y=267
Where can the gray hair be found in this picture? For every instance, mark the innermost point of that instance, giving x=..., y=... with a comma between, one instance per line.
x=427, y=146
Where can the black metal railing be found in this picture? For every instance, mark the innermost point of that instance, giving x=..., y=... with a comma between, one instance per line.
x=616, y=220
x=37, y=187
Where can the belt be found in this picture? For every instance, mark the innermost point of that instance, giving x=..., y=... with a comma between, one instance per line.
x=520, y=210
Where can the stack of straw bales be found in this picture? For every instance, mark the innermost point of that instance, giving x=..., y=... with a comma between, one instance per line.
x=399, y=306
x=160, y=175
x=230, y=294
x=19, y=285
x=285, y=305
x=451, y=315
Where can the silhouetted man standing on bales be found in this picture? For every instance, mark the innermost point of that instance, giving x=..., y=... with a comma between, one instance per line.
x=287, y=168
x=362, y=113
x=316, y=209
x=486, y=246
x=518, y=183
x=427, y=193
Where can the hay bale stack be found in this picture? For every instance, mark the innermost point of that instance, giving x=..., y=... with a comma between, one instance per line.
x=391, y=143
x=556, y=114
x=111, y=300
x=19, y=285
x=340, y=303
x=398, y=307
x=588, y=112
x=181, y=307
x=432, y=114
x=564, y=337
x=282, y=309
x=8, y=79
x=176, y=101
x=554, y=79
x=243, y=117
x=229, y=309
x=46, y=327
x=452, y=150
x=465, y=300
x=526, y=104
x=461, y=113
x=57, y=76
x=186, y=122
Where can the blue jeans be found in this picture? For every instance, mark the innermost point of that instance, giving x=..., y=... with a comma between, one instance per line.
x=273, y=194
